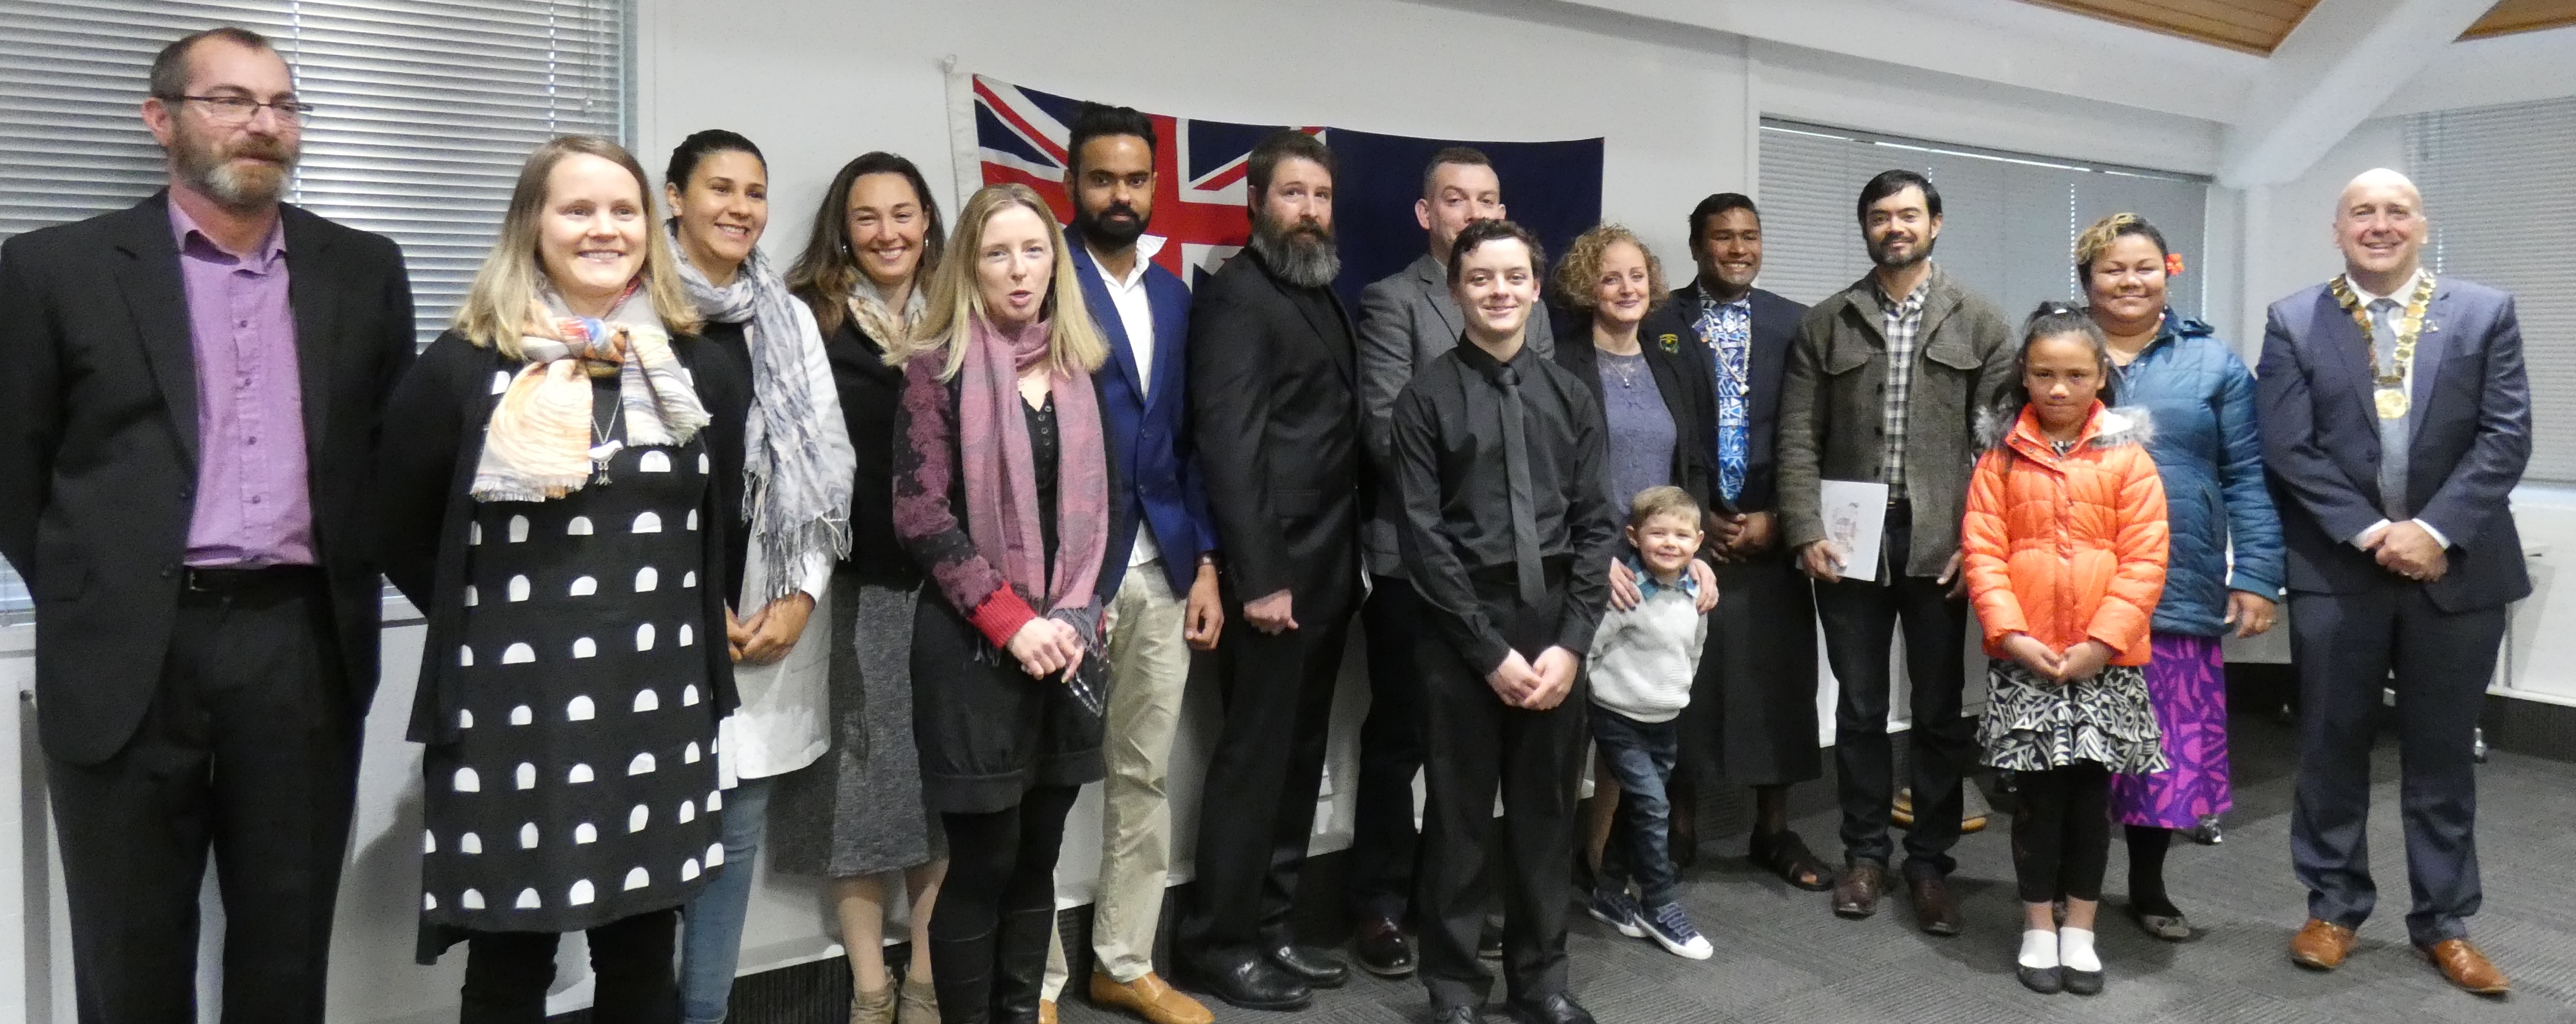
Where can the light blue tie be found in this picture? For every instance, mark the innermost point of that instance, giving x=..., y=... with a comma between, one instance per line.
x=2395, y=435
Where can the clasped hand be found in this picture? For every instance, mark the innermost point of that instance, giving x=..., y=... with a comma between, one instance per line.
x=1534, y=686
x=2082, y=661
x=1046, y=646
x=2408, y=550
x=771, y=632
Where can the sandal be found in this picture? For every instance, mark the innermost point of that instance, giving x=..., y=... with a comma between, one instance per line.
x=1787, y=855
x=2169, y=927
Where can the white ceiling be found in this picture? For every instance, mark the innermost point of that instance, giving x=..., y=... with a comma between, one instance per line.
x=2349, y=61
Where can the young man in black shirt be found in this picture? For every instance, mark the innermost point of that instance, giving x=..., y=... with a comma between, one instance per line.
x=1507, y=535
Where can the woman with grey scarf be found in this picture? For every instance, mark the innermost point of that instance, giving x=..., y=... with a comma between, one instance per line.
x=797, y=472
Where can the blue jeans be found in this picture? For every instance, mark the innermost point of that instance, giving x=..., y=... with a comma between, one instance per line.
x=711, y=924
x=1641, y=756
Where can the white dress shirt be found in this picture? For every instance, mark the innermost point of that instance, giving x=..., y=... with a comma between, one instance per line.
x=1136, y=313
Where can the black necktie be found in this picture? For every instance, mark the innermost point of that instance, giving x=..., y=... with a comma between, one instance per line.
x=1516, y=469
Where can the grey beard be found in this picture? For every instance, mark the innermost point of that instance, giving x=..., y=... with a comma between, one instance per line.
x=239, y=187
x=1305, y=266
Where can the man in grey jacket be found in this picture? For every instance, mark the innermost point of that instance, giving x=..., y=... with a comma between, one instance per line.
x=1406, y=321
x=1884, y=385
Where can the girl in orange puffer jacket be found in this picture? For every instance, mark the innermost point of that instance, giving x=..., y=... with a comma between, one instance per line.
x=2064, y=538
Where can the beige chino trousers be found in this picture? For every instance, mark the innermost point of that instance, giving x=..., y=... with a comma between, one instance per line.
x=1149, y=668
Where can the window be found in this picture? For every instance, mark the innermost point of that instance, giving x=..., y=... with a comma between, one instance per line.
x=2009, y=220
x=2490, y=176
x=426, y=110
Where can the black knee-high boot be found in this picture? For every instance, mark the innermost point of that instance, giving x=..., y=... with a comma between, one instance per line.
x=1020, y=959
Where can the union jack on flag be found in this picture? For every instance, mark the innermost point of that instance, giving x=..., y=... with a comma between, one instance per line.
x=1199, y=218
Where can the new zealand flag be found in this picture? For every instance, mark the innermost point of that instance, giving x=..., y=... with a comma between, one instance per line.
x=1552, y=188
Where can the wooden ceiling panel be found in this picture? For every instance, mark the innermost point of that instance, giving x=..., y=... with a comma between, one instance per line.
x=2513, y=16
x=2252, y=26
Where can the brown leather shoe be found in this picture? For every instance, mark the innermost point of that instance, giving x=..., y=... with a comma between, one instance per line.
x=1935, y=910
x=2466, y=967
x=1150, y=998
x=1856, y=893
x=2321, y=945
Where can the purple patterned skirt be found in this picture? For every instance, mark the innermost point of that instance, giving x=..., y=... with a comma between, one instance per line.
x=2187, y=686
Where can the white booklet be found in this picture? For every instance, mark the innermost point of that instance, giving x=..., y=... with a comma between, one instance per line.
x=1855, y=515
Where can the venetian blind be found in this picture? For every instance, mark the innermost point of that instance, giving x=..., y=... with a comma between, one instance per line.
x=2489, y=174
x=425, y=111
x=2009, y=220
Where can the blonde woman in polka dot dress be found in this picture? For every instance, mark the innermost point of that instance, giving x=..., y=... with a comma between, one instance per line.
x=554, y=472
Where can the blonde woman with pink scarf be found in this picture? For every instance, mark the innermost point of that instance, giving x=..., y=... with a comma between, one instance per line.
x=1004, y=496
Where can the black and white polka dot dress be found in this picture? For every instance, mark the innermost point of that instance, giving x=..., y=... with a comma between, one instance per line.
x=582, y=786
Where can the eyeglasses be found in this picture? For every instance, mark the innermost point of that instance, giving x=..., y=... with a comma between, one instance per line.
x=239, y=110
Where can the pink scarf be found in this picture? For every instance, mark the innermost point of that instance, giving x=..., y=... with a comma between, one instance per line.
x=1001, y=481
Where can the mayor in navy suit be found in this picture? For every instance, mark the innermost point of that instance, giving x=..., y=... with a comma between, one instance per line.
x=2396, y=420
x=1167, y=603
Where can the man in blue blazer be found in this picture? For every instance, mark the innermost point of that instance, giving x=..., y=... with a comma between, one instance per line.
x=2396, y=420
x=1167, y=603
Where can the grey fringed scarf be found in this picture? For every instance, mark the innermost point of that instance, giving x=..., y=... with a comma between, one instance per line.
x=796, y=499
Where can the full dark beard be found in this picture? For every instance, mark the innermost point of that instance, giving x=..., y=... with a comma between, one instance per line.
x=1302, y=255
x=1099, y=230
x=224, y=176
x=1878, y=255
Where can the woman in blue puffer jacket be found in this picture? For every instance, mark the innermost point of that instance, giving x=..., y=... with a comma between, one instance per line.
x=2201, y=400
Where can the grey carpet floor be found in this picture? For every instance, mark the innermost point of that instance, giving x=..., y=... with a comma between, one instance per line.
x=1783, y=957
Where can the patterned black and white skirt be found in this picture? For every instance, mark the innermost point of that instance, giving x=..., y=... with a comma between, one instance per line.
x=2034, y=724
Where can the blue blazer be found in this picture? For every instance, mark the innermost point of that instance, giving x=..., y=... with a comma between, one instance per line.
x=2472, y=435
x=1150, y=432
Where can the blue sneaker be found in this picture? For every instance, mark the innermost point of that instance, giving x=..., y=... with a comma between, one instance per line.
x=1614, y=908
x=1671, y=929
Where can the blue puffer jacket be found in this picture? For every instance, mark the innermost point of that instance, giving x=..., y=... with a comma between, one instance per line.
x=2201, y=398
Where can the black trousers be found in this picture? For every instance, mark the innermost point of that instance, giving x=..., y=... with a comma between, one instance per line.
x=996, y=910
x=1859, y=619
x=507, y=973
x=1277, y=694
x=2345, y=646
x=2061, y=836
x=250, y=750
x=1477, y=742
x=1384, y=844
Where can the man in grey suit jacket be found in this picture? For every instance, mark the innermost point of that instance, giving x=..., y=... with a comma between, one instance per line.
x=2396, y=421
x=1406, y=321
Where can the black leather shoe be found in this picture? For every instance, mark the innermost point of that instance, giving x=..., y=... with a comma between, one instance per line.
x=2083, y=983
x=1456, y=1015
x=1315, y=969
x=1383, y=949
x=1935, y=910
x=1489, y=942
x=2047, y=981
x=1248, y=980
x=1553, y=1009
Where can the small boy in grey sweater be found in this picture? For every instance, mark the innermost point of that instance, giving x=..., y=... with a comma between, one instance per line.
x=1643, y=661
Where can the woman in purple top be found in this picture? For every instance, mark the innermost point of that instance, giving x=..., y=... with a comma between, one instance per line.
x=1004, y=493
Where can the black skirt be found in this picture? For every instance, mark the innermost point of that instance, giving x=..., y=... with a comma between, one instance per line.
x=987, y=731
x=1752, y=713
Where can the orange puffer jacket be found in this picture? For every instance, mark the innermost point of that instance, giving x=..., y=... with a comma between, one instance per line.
x=2067, y=549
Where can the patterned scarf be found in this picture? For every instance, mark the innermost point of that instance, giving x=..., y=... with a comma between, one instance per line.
x=1001, y=479
x=885, y=326
x=797, y=459
x=540, y=443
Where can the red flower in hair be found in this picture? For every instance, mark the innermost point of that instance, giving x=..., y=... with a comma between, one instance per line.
x=2173, y=264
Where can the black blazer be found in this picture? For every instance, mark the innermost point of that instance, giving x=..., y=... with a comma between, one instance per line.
x=1682, y=374
x=1274, y=396
x=426, y=504
x=99, y=457
x=870, y=391
x=1775, y=332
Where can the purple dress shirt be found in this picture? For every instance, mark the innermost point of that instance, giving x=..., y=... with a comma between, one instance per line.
x=253, y=507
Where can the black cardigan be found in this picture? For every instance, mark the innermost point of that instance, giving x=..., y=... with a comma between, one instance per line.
x=1684, y=375
x=870, y=391
x=425, y=464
